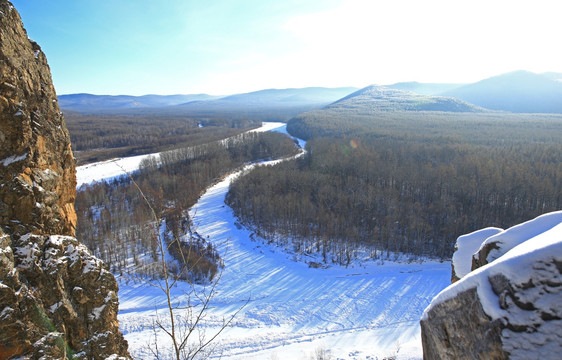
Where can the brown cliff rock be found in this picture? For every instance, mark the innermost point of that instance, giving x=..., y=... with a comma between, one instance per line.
x=460, y=329
x=56, y=300
x=36, y=163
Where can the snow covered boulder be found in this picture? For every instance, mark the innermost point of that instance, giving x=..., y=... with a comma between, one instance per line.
x=510, y=308
x=499, y=244
x=465, y=247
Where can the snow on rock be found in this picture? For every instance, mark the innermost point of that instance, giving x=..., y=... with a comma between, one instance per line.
x=12, y=159
x=55, y=306
x=465, y=247
x=28, y=253
x=508, y=308
x=74, y=284
x=96, y=312
x=497, y=245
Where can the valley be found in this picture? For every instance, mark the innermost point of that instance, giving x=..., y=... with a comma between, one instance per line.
x=353, y=312
x=300, y=302
x=276, y=206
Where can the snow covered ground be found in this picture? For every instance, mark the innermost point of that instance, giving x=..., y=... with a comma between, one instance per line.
x=357, y=313
x=366, y=312
x=109, y=169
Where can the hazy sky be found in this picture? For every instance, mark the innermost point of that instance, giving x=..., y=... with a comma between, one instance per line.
x=231, y=46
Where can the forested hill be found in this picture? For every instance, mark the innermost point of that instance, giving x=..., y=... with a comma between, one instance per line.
x=379, y=98
x=424, y=88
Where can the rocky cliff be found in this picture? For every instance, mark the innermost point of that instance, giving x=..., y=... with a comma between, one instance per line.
x=56, y=299
x=510, y=305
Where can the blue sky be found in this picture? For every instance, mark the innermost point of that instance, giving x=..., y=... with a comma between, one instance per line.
x=231, y=46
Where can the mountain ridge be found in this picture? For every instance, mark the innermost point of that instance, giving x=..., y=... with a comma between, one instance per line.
x=265, y=105
x=424, y=88
x=88, y=102
x=304, y=95
x=519, y=91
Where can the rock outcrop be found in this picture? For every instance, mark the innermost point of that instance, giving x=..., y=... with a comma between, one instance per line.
x=510, y=308
x=56, y=299
x=38, y=175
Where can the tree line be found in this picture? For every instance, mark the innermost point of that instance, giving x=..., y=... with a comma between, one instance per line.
x=101, y=137
x=403, y=183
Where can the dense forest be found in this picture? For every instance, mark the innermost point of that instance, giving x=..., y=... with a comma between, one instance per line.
x=115, y=222
x=98, y=137
x=409, y=182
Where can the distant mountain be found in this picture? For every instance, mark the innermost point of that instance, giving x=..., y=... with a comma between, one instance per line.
x=265, y=105
x=311, y=96
x=553, y=75
x=519, y=91
x=424, y=88
x=96, y=103
x=379, y=98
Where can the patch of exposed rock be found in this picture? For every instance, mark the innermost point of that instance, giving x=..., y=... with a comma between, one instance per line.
x=56, y=299
x=510, y=308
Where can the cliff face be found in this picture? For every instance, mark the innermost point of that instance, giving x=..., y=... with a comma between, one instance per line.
x=56, y=299
x=38, y=175
x=510, y=307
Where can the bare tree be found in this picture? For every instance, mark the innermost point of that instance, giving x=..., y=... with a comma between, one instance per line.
x=184, y=314
x=321, y=354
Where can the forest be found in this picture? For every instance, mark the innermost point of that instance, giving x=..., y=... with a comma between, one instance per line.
x=403, y=182
x=117, y=225
x=98, y=137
